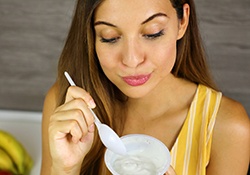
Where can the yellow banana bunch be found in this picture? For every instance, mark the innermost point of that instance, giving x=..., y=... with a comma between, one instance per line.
x=6, y=162
x=13, y=156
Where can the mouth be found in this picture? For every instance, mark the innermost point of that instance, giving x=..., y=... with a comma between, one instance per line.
x=136, y=80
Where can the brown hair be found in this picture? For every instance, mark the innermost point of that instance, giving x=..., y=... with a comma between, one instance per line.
x=191, y=58
x=80, y=60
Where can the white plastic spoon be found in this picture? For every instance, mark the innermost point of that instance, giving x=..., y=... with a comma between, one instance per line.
x=108, y=137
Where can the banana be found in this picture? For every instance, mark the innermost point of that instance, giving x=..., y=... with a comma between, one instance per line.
x=6, y=163
x=28, y=163
x=15, y=150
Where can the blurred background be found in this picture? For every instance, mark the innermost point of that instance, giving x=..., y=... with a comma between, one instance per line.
x=33, y=32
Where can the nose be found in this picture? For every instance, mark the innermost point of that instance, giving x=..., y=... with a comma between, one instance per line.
x=133, y=54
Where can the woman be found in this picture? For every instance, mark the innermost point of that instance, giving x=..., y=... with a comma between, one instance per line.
x=127, y=56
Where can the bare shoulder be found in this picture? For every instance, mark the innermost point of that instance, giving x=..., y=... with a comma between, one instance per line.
x=231, y=139
x=231, y=106
x=50, y=99
x=49, y=103
x=233, y=116
x=48, y=109
x=49, y=106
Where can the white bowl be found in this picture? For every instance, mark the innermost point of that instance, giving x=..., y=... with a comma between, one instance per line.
x=145, y=155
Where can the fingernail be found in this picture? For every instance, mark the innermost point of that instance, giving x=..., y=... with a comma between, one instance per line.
x=91, y=128
x=92, y=104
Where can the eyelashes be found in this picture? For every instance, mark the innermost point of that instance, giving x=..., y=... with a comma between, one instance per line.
x=147, y=36
x=155, y=35
x=110, y=40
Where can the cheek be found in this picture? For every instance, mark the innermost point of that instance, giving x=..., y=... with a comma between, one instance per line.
x=105, y=64
x=107, y=61
x=165, y=57
x=103, y=56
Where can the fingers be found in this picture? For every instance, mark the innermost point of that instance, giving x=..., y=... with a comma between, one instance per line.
x=76, y=109
x=75, y=92
x=170, y=171
x=74, y=116
x=66, y=129
x=71, y=123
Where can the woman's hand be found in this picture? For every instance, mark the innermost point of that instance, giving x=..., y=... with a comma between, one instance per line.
x=170, y=171
x=71, y=131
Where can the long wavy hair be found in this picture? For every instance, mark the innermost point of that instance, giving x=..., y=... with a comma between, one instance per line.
x=80, y=60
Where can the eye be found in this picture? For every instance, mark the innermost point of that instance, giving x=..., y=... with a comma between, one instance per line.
x=109, y=40
x=155, y=35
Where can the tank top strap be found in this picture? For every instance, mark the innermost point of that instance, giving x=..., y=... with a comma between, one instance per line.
x=191, y=151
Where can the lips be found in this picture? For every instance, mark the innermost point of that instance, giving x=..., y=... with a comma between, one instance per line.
x=136, y=80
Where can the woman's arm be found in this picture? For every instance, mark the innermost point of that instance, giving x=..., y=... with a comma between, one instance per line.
x=231, y=140
x=48, y=109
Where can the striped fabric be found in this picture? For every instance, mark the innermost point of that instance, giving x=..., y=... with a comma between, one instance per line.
x=191, y=151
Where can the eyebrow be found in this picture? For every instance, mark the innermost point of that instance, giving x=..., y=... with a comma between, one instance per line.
x=154, y=16
x=146, y=21
x=104, y=23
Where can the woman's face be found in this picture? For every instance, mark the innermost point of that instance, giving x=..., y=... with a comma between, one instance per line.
x=136, y=43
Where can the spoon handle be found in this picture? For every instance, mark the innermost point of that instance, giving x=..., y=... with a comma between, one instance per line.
x=72, y=83
x=96, y=118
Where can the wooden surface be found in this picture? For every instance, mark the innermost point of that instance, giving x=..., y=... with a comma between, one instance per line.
x=32, y=34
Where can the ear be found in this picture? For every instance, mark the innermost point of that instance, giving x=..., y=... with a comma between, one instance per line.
x=183, y=23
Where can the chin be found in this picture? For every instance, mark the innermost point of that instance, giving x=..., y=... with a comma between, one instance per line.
x=136, y=92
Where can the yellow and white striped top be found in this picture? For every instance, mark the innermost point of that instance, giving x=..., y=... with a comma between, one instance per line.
x=191, y=151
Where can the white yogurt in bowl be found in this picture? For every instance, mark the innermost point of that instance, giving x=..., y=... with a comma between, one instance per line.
x=146, y=155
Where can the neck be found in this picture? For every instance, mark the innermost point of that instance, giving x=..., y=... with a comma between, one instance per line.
x=169, y=96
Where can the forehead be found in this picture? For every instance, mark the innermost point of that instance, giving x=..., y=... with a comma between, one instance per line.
x=127, y=10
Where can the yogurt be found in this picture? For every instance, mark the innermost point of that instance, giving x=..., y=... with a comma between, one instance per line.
x=131, y=165
x=145, y=156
